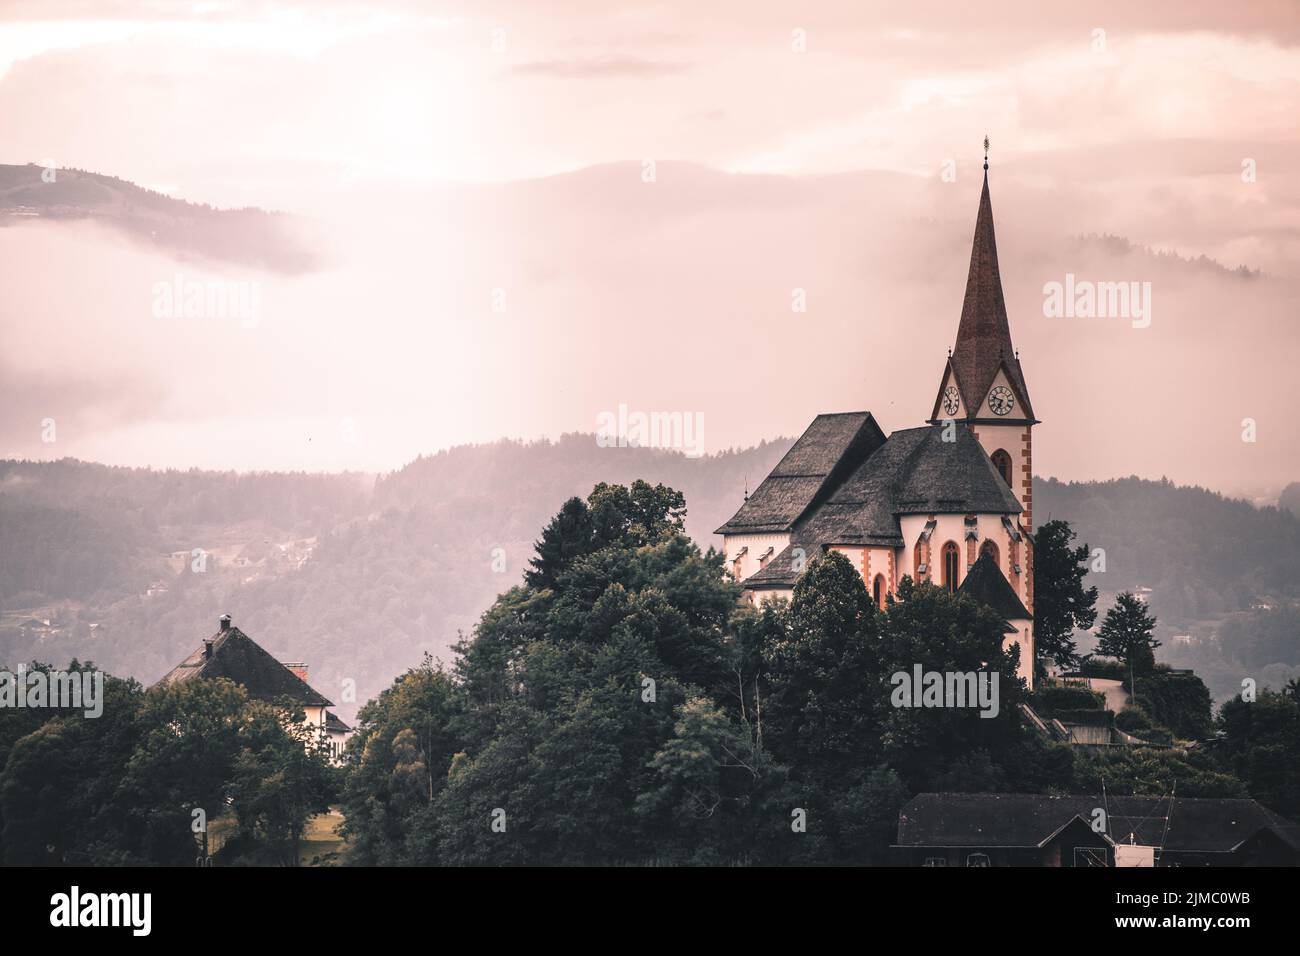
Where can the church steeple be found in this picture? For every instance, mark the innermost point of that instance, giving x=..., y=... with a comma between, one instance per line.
x=984, y=336
x=982, y=385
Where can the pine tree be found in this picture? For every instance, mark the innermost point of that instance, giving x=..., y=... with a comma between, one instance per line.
x=568, y=536
x=1126, y=635
x=1061, y=604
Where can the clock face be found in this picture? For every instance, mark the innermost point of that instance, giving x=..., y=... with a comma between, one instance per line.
x=1001, y=401
x=951, y=400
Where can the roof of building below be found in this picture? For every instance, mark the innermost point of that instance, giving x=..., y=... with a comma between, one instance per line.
x=986, y=583
x=334, y=725
x=784, y=569
x=1029, y=820
x=238, y=658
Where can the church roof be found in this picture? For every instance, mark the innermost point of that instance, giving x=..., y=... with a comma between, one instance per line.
x=234, y=655
x=984, y=336
x=822, y=457
x=986, y=583
x=781, y=572
x=914, y=472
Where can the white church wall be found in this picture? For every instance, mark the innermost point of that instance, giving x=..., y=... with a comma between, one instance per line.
x=757, y=545
x=1012, y=440
x=1024, y=636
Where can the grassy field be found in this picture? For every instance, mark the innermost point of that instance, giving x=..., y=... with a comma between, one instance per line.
x=321, y=843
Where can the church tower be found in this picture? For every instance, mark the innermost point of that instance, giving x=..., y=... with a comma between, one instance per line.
x=982, y=385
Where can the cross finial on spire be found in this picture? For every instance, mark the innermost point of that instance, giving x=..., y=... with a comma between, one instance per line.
x=986, y=153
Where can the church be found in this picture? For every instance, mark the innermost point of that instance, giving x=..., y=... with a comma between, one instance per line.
x=949, y=502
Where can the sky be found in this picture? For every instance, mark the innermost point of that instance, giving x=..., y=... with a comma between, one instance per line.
x=530, y=215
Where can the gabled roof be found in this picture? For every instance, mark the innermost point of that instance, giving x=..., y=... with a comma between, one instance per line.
x=822, y=457
x=1030, y=820
x=986, y=583
x=984, y=336
x=915, y=472
x=238, y=658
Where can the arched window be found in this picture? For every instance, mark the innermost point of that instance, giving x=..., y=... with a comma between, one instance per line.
x=951, y=557
x=991, y=550
x=878, y=591
x=1002, y=462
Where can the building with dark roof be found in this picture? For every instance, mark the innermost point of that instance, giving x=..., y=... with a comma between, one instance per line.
x=1021, y=829
x=949, y=502
x=233, y=655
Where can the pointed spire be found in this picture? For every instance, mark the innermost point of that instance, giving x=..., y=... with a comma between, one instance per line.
x=984, y=335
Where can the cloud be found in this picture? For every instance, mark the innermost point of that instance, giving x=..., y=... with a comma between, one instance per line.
x=613, y=65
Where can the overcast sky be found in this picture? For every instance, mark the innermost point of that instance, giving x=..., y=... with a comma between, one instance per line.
x=496, y=264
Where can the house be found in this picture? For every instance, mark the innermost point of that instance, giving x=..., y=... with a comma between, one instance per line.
x=930, y=502
x=1022, y=829
x=232, y=654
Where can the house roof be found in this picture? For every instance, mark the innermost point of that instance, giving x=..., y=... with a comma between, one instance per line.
x=238, y=658
x=334, y=724
x=984, y=335
x=986, y=583
x=822, y=457
x=1030, y=820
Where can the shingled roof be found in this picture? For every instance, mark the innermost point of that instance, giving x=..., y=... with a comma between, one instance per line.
x=984, y=335
x=1030, y=820
x=784, y=569
x=237, y=657
x=830, y=448
x=915, y=472
x=986, y=583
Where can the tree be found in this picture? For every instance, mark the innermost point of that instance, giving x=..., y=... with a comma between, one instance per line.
x=187, y=742
x=405, y=743
x=947, y=633
x=281, y=778
x=1126, y=635
x=631, y=517
x=567, y=537
x=1260, y=741
x=540, y=744
x=712, y=783
x=1061, y=603
x=822, y=710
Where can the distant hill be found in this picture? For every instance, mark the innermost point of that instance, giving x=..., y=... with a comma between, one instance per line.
x=359, y=576
x=1290, y=498
x=252, y=237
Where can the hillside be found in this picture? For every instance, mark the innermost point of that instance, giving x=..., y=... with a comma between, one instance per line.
x=251, y=237
x=359, y=576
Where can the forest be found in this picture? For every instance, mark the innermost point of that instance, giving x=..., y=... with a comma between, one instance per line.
x=619, y=705
x=360, y=575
